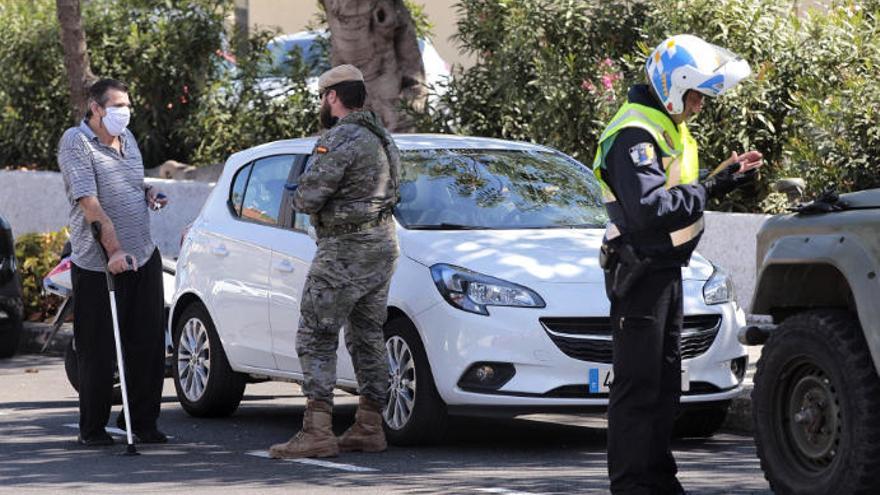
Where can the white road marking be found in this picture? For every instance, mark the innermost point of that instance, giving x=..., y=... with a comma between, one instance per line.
x=317, y=462
x=110, y=429
x=503, y=491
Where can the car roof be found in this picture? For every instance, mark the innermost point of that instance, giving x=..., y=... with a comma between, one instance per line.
x=407, y=142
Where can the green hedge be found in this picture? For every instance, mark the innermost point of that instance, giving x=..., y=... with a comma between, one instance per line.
x=189, y=104
x=37, y=254
x=552, y=71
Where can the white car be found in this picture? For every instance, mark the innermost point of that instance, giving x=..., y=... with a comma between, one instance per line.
x=312, y=47
x=497, y=306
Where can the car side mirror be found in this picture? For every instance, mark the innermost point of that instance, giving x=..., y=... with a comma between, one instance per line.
x=793, y=187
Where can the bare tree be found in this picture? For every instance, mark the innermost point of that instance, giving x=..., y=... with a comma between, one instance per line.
x=379, y=38
x=76, y=56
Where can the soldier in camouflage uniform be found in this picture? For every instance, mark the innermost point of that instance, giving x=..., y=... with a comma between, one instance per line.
x=349, y=189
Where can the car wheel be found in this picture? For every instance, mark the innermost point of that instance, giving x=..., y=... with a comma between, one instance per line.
x=415, y=413
x=702, y=421
x=205, y=383
x=815, y=406
x=71, y=369
x=10, y=334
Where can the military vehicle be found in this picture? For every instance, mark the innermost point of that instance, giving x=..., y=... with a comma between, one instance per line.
x=816, y=400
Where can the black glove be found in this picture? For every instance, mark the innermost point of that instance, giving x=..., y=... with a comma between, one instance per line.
x=722, y=183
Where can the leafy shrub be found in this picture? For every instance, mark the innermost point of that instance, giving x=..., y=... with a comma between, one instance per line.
x=243, y=108
x=34, y=102
x=37, y=254
x=164, y=50
x=548, y=71
x=536, y=63
x=835, y=136
x=167, y=52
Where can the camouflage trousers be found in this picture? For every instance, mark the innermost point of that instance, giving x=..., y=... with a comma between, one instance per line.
x=347, y=285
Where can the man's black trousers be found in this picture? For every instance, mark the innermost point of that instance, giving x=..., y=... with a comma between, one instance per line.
x=140, y=306
x=646, y=389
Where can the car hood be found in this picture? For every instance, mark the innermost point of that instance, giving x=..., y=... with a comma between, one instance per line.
x=523, y=256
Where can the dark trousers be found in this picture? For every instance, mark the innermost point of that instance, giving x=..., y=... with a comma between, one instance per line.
x=646, y=389
x=140, y=307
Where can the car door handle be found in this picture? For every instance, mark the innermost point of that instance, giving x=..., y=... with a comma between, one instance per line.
x=220, y=251
x=284, y=266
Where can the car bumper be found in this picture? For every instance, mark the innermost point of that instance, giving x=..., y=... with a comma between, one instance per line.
x=545, y=376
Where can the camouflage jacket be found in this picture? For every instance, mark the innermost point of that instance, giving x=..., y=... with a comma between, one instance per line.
x=353, y=175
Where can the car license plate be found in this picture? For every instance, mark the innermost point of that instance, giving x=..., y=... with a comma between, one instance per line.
x=600, y=380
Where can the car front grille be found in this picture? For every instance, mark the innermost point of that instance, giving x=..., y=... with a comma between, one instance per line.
x=589, y=339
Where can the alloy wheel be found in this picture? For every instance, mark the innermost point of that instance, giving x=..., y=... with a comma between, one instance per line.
x=194, y=359
x=402, y=386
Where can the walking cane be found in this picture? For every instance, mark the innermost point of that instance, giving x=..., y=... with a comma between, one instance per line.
x=111, y=285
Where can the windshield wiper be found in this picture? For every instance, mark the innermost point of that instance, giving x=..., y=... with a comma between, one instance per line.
x=584, y=226
x=444, y=226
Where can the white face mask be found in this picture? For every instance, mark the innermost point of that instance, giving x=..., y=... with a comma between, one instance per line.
x=116, y=120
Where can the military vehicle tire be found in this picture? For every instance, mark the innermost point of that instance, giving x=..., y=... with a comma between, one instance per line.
x=815, y=406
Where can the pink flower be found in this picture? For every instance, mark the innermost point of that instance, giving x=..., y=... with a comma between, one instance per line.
x=608, y=82
x=607, y=62
x=588, y=85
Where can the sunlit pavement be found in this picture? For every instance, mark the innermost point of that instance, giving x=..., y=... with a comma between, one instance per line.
x=538, y=454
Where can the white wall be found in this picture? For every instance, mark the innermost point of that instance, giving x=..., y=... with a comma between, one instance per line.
x=730, y=242
x=36, y=202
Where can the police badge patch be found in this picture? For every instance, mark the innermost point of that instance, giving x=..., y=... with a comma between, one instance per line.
x=643, y=154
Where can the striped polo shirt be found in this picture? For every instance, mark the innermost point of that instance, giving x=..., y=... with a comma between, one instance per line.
x=91, y=168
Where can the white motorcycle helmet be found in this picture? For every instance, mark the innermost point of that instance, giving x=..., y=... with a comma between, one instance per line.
x=685, y=62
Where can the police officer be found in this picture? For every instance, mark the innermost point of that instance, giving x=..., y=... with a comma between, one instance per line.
x=647, y=163
x=349, y=189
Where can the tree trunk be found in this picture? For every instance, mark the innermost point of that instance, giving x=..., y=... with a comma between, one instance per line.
x=76, y=56
x=379, y=38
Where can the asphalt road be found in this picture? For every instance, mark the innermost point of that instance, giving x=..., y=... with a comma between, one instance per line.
x=538, y=454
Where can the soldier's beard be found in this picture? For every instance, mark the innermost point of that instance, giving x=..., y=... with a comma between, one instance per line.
x=327, y=120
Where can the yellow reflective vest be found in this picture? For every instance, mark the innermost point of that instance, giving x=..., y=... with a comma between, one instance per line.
x=678, y=149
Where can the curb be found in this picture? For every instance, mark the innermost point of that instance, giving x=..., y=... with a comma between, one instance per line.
x=34, y=335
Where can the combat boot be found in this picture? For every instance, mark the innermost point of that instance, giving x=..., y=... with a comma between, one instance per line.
x=366, y=434
x=316, y=439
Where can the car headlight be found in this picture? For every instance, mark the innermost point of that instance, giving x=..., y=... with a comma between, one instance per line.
x=472, y=291
x=719, y=288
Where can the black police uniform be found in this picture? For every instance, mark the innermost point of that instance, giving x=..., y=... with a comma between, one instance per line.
x=647, y=321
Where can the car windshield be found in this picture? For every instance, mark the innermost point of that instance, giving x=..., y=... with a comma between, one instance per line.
x=312, y=54
x=447, y=189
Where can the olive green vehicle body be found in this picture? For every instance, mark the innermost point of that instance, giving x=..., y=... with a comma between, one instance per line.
x=826, y=260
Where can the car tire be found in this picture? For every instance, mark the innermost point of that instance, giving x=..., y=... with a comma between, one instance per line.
x=71, y=369
x=815, y=406
x=415, y=413
x=205, y=383
x=10, y=335
x=701, y=421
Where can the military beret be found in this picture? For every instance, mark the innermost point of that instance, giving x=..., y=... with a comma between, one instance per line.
x=339, y=74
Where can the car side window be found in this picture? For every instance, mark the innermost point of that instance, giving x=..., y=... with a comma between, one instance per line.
x=236, y=193
x=301, y=221
x=265, y=189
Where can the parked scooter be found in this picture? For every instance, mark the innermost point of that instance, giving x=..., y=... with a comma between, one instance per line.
x=58, y=282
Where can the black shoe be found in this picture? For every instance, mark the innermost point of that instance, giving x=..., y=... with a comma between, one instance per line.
x=150, y=436
x=97, y=440
x=143, y=436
